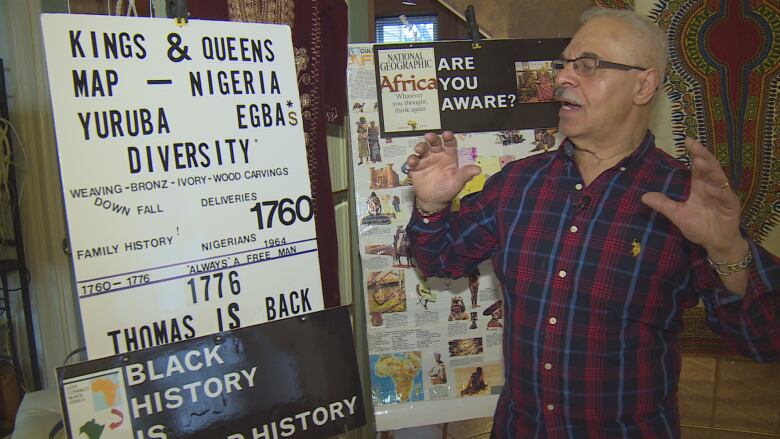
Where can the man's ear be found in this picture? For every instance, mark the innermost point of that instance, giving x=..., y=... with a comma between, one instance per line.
x=647, y=85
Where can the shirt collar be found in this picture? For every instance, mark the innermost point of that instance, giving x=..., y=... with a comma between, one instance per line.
x=566, y=150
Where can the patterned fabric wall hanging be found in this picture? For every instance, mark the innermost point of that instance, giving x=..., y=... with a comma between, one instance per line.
x=723, y=80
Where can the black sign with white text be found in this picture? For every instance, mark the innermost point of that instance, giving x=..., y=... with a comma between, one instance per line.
x=292, y=378
x=505, y=84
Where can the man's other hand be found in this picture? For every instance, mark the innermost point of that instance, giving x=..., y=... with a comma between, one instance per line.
x=434, y=172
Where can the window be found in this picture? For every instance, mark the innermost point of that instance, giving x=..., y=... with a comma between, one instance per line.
x=407, y=29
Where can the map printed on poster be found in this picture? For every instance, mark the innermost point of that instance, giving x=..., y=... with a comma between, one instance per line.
x=263, y=381
x=185, y=177
x=506, y=85
x=434, y=345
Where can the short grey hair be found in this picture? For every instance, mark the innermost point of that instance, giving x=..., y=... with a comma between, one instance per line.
x=647, y=29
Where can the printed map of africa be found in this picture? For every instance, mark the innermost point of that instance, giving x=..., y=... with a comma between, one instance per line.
x=108, y=388
x=401, y=369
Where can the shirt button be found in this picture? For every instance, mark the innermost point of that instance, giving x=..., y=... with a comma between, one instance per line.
x=426, y=220
x=553, y=320
x=578, y=186
x=622, y=169
x=573, y=229
x=550, y=407
x=562, y=273
x=547, y=366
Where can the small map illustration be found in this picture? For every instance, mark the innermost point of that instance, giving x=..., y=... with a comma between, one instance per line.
x=105, y=392
x=397, y=377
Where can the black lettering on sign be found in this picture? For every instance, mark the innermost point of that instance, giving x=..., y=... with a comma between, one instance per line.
x=95, y=191
x=158, y=333
x=263, y=116
x=96, y=83
x=229, y=321
x=107, y=45
x=131, y=123
x=237, y=49
x=186, y=155
x=287, y=304
x=233, y=82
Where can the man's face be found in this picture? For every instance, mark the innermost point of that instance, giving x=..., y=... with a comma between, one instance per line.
x=594, y=107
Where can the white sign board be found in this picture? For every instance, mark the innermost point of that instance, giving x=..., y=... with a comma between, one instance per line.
x=185, y=177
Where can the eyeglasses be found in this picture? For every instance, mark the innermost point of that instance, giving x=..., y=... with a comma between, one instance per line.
x=587, y=65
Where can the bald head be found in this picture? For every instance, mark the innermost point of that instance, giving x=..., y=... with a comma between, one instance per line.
x=645, y=43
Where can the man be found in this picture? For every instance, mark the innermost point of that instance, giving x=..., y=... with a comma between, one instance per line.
x=599, y=246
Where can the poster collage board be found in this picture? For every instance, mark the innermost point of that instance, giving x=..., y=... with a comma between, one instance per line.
x=435, y=345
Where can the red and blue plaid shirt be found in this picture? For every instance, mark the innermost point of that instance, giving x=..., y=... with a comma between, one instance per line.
x=595, y=284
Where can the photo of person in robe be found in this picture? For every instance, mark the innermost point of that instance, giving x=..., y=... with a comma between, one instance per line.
x=438, y=373
x=362, y=135
x=373, y=143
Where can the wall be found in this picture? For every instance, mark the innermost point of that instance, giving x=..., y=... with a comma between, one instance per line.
x=527, y=18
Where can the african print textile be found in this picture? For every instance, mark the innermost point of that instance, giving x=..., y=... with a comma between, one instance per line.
x=723, y=83
x=722, y=80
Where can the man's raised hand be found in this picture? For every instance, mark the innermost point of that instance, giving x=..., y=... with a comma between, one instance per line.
x=711, y=214
x=434, y=171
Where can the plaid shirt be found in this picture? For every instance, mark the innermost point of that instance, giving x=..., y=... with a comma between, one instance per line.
x=595, y=283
